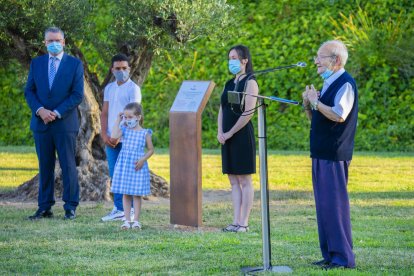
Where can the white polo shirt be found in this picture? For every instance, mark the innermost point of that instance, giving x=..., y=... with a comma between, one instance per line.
x=118, y=96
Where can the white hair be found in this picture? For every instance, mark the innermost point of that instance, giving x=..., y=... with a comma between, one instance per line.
x=54, y=30
x=337, y=48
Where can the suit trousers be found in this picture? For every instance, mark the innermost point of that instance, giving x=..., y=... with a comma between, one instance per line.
x=330, y=179
x=47, y=144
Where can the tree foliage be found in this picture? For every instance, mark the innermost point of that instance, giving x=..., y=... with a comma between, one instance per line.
x=164, y=23
x=22, y=25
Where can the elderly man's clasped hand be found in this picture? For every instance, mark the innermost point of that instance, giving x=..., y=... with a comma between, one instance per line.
x=310, y=96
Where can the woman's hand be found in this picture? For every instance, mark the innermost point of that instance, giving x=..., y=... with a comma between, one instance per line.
x=227, y=136
x=139, y=164
x=220, y=138
x=223, y=137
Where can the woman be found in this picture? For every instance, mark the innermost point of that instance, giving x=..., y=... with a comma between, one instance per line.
x=236, y=135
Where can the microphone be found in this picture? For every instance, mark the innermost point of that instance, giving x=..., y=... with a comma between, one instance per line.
x=299, y=64
x=232, y=98
x=265, y=71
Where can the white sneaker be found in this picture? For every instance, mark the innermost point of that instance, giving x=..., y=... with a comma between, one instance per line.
x=115, y=214
x=131, y=216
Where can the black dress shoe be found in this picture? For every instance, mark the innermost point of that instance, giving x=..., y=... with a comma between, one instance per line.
x=333, y=266
x=70, y=214
x=41, y=214
x=321, y=263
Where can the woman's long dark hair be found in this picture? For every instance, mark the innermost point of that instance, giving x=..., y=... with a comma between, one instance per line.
x=243, y=53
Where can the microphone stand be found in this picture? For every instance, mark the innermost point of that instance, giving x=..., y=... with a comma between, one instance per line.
x=264, y=189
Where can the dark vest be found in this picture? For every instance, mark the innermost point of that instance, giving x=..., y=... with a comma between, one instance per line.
x=331, y=140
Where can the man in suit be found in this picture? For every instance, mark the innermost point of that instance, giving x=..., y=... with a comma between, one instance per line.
x=333, y=113
x=53, y=91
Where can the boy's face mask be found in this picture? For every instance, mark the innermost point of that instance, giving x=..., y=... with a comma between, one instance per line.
x=121, y=75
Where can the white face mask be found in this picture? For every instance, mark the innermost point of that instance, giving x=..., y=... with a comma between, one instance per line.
x=131, y=123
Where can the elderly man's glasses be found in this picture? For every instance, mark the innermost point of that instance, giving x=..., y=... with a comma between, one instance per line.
x=315, y=58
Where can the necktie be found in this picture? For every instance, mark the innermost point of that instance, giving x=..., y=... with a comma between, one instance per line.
x=52, y=71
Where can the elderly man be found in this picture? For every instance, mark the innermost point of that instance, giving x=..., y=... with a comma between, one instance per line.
x=333, y=113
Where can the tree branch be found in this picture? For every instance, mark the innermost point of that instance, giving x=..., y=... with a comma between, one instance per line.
x=21, y=48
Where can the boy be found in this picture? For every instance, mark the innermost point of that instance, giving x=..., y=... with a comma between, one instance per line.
x=117, y=95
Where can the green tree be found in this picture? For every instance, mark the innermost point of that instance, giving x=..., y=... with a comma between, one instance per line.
x=95, y=30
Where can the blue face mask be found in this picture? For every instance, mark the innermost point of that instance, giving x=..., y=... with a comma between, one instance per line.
x=54, y=47
x=121, y=75
x=131, y=123
x=327, y=74
x=234, y=66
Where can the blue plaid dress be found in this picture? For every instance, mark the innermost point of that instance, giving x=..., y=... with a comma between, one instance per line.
x=126, y=180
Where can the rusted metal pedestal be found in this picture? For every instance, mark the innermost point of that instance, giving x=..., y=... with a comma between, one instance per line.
x=185, y=156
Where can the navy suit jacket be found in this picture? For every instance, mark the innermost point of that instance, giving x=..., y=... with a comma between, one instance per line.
x=64, y=96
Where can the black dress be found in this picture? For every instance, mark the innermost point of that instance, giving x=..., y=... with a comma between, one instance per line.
x=238, y=154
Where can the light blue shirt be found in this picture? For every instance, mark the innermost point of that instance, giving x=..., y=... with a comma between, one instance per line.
x=344, y=99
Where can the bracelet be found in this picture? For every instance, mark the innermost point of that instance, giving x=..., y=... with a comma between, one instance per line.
x=314, y=105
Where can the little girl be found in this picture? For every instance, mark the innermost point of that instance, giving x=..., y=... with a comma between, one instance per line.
x=131, y=174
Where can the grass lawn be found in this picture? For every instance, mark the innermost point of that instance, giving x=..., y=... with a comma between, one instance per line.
x=382, y=208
